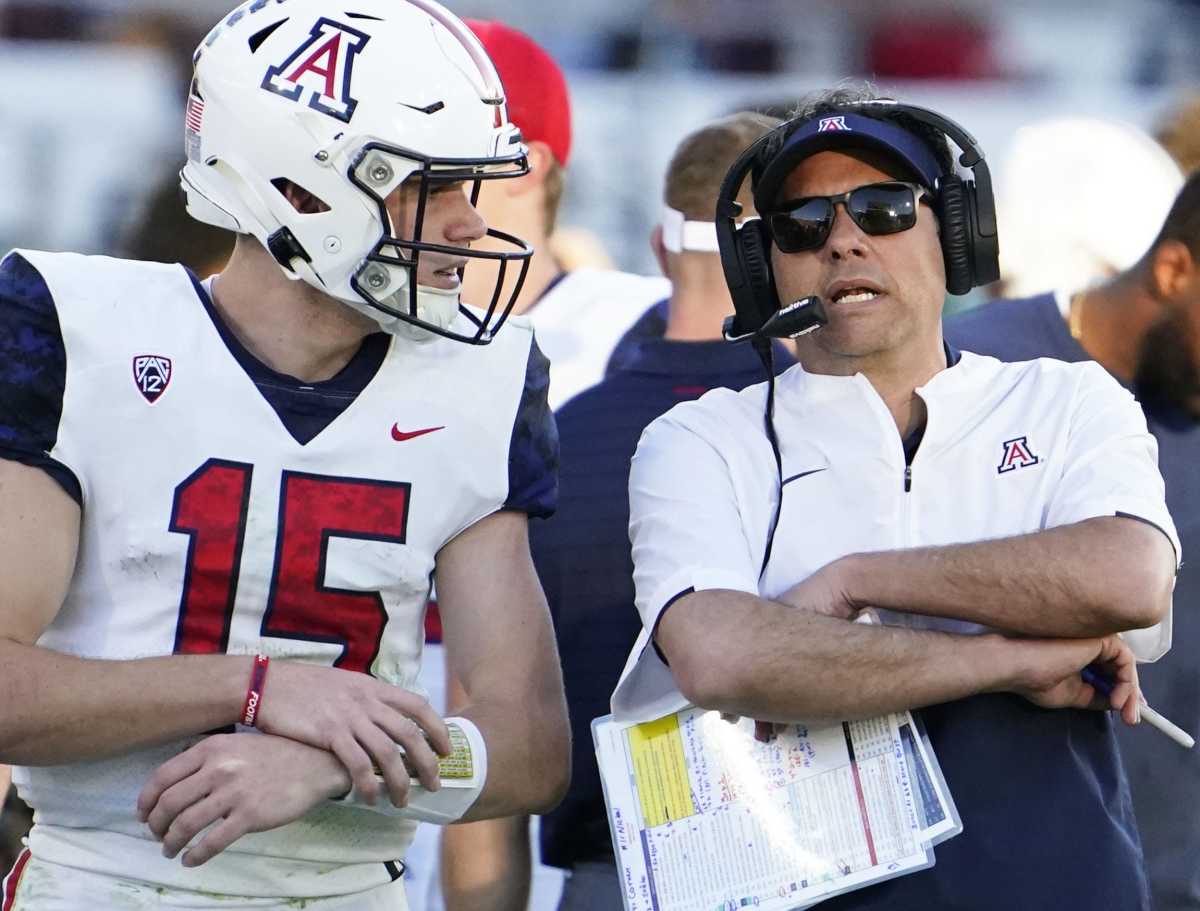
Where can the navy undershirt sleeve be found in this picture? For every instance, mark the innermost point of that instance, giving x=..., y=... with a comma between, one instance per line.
x=533, y=451
x=33, y=372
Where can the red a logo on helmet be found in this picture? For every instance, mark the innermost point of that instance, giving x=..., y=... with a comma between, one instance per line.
x=321, y=70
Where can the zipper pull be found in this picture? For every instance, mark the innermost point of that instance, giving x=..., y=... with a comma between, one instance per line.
x=907, y=478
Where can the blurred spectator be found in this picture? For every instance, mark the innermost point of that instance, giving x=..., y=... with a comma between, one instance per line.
x=46, y=21
x=1078, y=200
x=1143, y=326
x=1179, y=132
x=164, y=233
x=940, y=44
x=579, y=314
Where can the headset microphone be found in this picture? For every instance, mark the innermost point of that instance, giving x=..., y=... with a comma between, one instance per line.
x=800, y=318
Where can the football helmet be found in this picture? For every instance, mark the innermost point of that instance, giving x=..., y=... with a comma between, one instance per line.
x=347, y=102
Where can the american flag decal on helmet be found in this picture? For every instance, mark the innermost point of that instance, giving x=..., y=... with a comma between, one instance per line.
x=195, y=114
x=151, y=374
x=831, y=123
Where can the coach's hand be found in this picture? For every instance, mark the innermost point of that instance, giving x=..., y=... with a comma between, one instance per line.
x=361, y=721
x=1048, y=674
x=243, y=783
x=824, y=592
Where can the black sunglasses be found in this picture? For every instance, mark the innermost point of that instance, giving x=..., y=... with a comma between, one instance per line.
x=877, y=208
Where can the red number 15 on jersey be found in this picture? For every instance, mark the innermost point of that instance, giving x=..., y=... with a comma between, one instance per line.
x=211, y=507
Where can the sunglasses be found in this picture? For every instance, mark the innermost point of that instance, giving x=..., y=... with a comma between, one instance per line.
x=877, y=208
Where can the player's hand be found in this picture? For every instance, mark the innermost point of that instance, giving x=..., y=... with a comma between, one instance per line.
x=243, y=783
x=1049, y=674
x=824, y=592
x=361, y=721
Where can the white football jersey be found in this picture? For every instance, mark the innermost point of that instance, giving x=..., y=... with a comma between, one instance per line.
x=581, y=318
x=207, y=527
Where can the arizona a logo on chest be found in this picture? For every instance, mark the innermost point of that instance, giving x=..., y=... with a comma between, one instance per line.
x=1017, y=454
x=321, y=70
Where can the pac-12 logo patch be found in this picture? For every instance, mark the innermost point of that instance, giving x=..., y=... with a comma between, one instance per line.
x=825, y=124
x=321, y=69
x=152, y=374
x=1017, y=454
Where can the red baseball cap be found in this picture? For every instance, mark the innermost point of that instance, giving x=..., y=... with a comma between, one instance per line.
x=535, y=89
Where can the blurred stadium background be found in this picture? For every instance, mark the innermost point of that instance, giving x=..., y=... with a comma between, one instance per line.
x=93, y=115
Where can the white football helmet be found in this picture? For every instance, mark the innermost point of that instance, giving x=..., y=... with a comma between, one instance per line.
x=347, y=101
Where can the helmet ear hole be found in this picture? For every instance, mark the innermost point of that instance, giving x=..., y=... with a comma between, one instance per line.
x=303, y=201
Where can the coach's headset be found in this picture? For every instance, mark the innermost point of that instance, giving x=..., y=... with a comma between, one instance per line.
x=965, y=208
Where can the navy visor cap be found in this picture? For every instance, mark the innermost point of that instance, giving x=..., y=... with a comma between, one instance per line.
x=839, y=131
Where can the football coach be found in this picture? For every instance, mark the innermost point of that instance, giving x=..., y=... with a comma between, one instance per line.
x=1007, y=520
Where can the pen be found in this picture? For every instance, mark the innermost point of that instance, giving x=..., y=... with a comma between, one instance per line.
x=1151, y=717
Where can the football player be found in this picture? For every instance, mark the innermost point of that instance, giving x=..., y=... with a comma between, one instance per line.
x=222, y=503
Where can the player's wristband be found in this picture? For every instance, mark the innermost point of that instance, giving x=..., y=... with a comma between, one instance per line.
x=463, y=774
x=254, y=692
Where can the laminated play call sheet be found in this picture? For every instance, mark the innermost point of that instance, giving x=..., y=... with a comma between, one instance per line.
x=704, y=816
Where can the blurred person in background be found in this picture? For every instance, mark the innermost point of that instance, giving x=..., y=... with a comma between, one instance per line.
x=583, y=556
x=1055, y=202
x=1143, y=326
x=163, y=232
x=1179, y=132
x=580, y=314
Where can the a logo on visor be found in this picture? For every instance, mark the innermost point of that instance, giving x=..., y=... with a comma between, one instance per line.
x=321, y=69
x=825, y=124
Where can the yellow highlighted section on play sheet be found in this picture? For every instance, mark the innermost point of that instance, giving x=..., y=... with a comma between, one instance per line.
x=660, y=771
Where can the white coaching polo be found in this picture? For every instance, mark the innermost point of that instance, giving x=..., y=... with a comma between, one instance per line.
x=1008, y=449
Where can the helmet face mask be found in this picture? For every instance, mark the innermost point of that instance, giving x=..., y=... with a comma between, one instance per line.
x=348, y=106
x=387, y=279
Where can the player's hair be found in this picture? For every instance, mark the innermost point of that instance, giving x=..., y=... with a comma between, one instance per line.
x=831, y=101
x=1179, y=133
x=553, y=183
x=700, y=161
x=1183, y=221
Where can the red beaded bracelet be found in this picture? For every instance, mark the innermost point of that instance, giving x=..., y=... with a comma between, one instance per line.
x=258, y=676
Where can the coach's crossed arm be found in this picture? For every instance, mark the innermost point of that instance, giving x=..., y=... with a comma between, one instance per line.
x=1091, y=578
x=774, y=661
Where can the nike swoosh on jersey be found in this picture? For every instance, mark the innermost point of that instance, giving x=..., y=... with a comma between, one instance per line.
x=401, y=435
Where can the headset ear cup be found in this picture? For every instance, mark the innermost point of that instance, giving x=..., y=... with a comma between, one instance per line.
x=754, y=252
x=956, y=236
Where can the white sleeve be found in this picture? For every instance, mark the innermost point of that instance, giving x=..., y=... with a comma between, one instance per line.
x=1111, y=469
x=687, y=532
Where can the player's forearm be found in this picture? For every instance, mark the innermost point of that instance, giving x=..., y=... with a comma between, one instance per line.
x=57, y=708
x=1091, y=578
x=528, y=745
x=486, y=865
x=748, y=656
